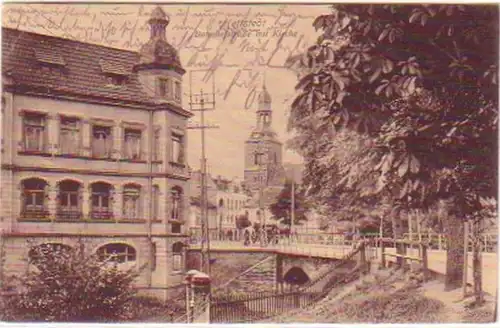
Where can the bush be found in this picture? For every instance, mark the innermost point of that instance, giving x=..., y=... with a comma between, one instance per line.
x=65, y=285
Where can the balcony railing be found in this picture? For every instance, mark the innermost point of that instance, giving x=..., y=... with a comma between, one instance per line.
x=65, y=214
x=101, y=215
x=35, y=214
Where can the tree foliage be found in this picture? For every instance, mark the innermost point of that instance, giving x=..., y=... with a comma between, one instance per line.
x=63, y=284
x=420, y=83
x=281, y=208
x=243, y=221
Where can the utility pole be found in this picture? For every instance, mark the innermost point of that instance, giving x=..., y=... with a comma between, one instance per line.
x=201, y=102
x=292, y=204
x=263, y=152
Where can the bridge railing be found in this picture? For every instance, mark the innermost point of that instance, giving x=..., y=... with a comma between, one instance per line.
x=435, y=241
x=251, y=307
x=489, y=241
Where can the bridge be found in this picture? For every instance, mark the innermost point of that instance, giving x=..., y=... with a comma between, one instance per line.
x=307, y=246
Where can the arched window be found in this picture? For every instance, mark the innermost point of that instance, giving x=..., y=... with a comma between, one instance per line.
x=176, y=197
x=177, y=256
x=221, y=203
x=37, y=253
x=101, y=201
x=34, y=198
x=131, y=201
x=117, y=252
x=69, y=201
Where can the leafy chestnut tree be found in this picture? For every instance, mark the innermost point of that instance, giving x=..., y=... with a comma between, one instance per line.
x=63, y=284
x=417, y=84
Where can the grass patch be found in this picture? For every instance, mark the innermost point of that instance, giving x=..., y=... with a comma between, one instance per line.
x=478, y=315
x=405, y=305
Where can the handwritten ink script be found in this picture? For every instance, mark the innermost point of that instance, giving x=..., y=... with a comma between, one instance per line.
x=243, y=41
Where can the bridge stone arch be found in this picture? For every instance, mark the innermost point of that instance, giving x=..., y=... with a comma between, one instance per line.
x=296, y=276
x=311, y=267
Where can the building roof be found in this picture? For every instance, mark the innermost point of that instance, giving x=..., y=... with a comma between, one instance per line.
x=264, y=96
x=84, y=69
x=157, y=52
x=195, y=201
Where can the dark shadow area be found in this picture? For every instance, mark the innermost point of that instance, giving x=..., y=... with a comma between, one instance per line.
x=296, y=276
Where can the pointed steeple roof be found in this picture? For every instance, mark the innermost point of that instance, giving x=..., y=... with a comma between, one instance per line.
x=264, y=96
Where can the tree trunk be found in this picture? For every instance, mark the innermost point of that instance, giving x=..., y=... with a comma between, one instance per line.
x=397, y=230
x=476, y=263
x=454, y=230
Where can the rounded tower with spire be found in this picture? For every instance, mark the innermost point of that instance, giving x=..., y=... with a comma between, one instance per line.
x=263, y=150
x=159, y=67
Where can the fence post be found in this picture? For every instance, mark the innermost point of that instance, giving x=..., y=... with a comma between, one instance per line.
x=440, y=243
x=425, y=262
x=382, y=255
x=362, y=254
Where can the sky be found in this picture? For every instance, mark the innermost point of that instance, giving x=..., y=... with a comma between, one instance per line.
x=261, y=37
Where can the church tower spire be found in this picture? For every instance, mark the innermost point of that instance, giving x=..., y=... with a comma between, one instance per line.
x=263, y=150
x=264, y=112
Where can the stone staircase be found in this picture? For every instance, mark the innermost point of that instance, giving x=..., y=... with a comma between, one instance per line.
x=260, y=278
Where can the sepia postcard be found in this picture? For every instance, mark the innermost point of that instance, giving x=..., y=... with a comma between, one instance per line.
x=249, y=163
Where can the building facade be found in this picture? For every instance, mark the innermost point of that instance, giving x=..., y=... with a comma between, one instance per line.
x=93, y=143
x=195, y=215
x=226, y=200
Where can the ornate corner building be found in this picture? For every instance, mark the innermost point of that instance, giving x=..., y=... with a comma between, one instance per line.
x=93, y=149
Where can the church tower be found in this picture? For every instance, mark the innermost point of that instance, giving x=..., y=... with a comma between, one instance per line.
x=263, y=151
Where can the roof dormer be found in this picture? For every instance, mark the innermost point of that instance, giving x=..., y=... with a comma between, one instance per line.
x=116, y=74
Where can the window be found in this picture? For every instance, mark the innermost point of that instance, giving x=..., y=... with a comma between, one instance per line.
x=258, y=158
x=69, y=135
x=176, y=227
x=132, y=145
x=115, y=80
x=101, y=201
x=275, y=158
x=178, y=93
x=131, y=202
x=156, y=202
x=176, y=197
x=69, y=200
x=101, y=141
x=34, y=132
x=177, y=250
x=177, y=149
x=164, y=87
x=37, y=253
x=34, y=198
x=119, y=253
